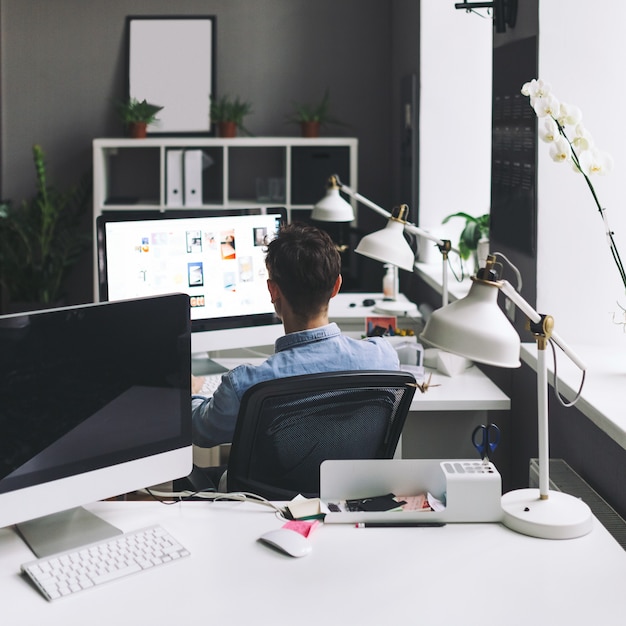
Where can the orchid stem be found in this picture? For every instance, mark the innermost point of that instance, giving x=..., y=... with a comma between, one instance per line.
x=609, y=232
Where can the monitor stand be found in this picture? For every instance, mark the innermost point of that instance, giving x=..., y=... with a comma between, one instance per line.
x=65, y=530
x=202, y=365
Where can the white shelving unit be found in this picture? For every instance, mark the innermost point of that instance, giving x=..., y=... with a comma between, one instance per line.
x=130, y=174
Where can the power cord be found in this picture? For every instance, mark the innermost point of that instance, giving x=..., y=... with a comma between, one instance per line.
x=557, y=393
x=175, y=497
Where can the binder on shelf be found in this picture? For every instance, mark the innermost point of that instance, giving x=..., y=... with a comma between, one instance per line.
x=193, y=177
x=174, y=178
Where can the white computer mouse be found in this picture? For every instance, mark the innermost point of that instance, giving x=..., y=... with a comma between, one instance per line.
x=288, y=541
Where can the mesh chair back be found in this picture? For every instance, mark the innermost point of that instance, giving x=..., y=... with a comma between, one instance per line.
x=286, y=427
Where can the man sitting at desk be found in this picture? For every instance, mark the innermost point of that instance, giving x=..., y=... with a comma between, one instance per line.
x=304, y=268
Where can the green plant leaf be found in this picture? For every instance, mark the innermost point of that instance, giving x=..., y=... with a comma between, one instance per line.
x=133, y=110
x=41, y=239
x=474, y=230
x=230, y=109
x=319, y=112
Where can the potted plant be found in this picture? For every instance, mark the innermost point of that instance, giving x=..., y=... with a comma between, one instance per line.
x=474, y=236
x=312, y=117
x=41, y=240
x=228, y=113
x=136, y=115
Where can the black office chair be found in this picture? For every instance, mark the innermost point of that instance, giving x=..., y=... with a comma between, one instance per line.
x=287, y=426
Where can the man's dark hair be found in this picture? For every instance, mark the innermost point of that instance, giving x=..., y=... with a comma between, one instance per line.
x=305, y=263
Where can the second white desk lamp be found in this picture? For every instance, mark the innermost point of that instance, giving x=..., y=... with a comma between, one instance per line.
x=387, y=245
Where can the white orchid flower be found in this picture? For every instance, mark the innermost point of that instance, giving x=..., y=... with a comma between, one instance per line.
x=536, y=88
x=546, y=105
x=560, y=150
x=579, y=151
x=549, y=132
x=595, y=162
x=569, y=115
x=582, y=139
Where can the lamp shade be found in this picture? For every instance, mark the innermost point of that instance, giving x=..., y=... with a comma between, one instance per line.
x=389, y=246
x=476, y=328
x=332, y=208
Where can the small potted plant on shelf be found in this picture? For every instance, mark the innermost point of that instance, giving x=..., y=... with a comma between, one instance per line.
x=137, y=115
x=312, y=117
x=41, y=240
x=474, y=238
x=228, y=113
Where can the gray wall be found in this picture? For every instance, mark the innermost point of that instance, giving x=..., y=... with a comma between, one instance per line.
x=63, y=61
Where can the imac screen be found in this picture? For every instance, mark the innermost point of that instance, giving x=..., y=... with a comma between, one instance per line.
x=216, y=257
x=94, y=402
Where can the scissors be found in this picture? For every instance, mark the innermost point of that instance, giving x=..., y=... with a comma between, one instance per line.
x=488, y=441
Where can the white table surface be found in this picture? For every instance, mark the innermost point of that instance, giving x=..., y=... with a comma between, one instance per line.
x=432, y=275
x=349, y=305
x=460, y=574
x=472, y=390
x=441, y=421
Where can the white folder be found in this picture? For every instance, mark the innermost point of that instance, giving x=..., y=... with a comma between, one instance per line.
x=174, y=178
x=193, y=177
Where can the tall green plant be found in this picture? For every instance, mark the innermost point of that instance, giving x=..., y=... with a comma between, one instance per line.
x=41, y=240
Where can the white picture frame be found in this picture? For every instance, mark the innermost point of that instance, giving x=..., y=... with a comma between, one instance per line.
x=171, y=63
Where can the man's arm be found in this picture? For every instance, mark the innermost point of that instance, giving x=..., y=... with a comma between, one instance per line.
x=213, y=419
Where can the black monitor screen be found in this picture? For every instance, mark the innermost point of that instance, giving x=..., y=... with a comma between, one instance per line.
x=87, y=387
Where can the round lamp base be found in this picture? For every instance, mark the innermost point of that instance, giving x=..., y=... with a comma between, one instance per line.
x=560, y=516
x=396, y=307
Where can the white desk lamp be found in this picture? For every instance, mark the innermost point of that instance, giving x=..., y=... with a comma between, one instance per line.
x=475, y=327
x=387, y=245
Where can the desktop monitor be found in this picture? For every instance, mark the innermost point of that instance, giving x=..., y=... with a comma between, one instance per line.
x=94, y=403
x=216, y=257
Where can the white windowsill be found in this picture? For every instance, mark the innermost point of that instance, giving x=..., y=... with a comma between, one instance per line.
x=432, y=275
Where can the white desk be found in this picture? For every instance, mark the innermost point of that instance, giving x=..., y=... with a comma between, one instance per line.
x=440, y=421
x=349, y=311
x=460, y=574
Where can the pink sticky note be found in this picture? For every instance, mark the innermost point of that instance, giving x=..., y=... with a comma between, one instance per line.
x=305, y=528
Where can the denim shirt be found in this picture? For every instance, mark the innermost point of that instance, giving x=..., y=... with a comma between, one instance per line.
x=322, y=349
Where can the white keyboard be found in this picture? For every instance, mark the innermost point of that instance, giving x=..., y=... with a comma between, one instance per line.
x=210, y=384
x=88, y=566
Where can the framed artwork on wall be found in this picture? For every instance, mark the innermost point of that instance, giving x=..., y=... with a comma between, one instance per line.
x=171, y=63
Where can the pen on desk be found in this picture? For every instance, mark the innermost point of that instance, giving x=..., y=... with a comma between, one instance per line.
x=398, y=524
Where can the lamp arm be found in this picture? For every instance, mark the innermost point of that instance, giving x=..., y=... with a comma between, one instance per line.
x=509, y=291
x=412, y=228
x=364, y=200
x=542, y=382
